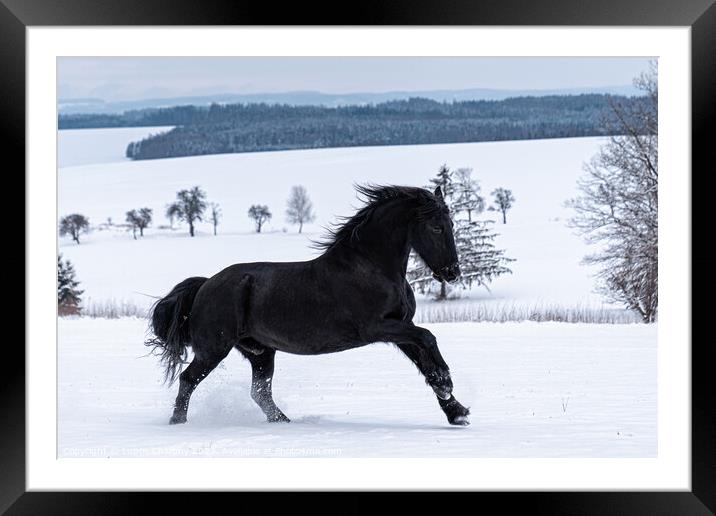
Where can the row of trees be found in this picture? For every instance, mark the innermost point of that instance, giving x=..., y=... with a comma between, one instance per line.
x=191, y=207
x=480, y=261
x=299, y=210
x=230, y=128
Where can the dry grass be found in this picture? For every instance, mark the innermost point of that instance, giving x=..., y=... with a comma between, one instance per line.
x=435, y=312
x=513, y=311
x=112, y=309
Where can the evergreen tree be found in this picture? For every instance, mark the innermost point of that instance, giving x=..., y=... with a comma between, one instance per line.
x=480, y=262
x=444, y=179
x=221, y=128
x=68, y=295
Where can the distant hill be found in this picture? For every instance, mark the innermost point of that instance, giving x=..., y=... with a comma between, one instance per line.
x=315, y=98
x=219, y=129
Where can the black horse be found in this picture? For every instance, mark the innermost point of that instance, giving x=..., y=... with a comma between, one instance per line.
x=354, y=294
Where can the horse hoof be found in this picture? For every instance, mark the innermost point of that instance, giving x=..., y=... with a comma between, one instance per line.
x=177, y=420
x=460, y=421
x=279, y=418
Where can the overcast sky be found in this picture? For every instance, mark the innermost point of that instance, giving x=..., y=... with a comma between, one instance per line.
x=135, y=78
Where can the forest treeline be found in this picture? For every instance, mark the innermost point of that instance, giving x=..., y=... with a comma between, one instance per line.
x=231, y=128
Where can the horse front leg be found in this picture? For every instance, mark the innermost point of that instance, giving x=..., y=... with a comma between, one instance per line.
x=455, y=412
x=427, y=355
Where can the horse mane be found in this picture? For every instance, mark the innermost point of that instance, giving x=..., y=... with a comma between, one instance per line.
x=425, y=204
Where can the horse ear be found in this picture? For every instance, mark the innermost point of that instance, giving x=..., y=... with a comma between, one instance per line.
x=438, y=193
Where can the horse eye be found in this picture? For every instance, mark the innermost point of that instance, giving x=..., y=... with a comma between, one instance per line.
x=437, y=229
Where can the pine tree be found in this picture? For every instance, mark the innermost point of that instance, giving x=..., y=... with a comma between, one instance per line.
x=68, y=295
x=444, y=179
x=480, y=262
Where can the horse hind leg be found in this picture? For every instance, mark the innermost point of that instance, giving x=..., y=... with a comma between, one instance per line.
x=242, y=302
x=189, y=379
x=262, y=365
x=250, y=346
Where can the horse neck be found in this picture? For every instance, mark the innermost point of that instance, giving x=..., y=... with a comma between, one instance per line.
x=383, y=239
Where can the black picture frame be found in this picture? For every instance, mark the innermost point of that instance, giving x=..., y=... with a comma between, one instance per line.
x=700, y=15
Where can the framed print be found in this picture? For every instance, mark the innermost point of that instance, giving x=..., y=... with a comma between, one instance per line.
x=237, y=218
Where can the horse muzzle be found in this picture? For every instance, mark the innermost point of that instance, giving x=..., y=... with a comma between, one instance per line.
x=449, y=273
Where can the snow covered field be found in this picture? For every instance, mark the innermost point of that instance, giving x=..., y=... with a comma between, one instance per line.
x=535, y=390
x=93, y=146
x=110, y=265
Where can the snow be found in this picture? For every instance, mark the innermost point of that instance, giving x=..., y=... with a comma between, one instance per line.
x=541, y=173
x=94, y=146
x=534, y=390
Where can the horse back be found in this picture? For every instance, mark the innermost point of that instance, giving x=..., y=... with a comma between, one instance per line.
x=296, y=307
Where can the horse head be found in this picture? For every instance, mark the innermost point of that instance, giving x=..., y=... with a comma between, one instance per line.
x=432, y=238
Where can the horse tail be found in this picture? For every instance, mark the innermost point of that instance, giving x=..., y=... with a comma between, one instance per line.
x=170, y=325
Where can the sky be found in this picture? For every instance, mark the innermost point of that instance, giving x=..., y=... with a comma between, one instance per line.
x=136, y=78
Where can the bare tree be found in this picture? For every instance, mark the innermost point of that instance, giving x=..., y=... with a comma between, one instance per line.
x=503, y=202
x=172, y=213
x=260, y=214
x=132, y=218
x=618, y=205
x=214, y=214
x=74, y=225
x=139, y=219
x=189, y=207
x=299, y=207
